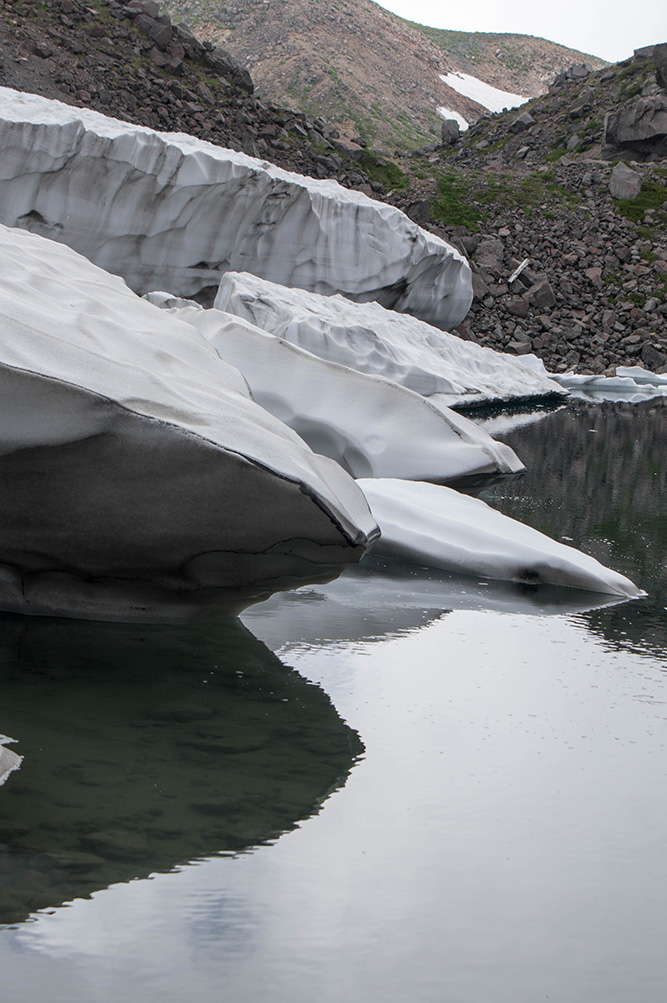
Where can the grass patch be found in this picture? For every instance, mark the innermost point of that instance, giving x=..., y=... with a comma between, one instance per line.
x=386, y=173
x=652, y=196
x=453, y=205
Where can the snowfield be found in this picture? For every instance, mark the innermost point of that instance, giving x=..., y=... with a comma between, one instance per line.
x=481, y=92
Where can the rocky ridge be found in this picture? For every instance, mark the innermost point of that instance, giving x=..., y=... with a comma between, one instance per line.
x=591, y=295
x=371, y=73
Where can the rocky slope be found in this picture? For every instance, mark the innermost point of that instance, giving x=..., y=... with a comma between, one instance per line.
x=538, y=189
x=371, y=73
x=115, y=58
x=522, y=64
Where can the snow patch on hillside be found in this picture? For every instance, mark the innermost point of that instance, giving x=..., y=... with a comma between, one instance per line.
x=481, y=92
x=448, y=113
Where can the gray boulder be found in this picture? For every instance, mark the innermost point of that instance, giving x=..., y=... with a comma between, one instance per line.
x=624, y=182
x=450, y=131
x=523, y=122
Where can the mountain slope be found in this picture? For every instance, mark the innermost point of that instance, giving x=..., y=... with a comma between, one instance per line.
x=509, y=61
x=368, y=71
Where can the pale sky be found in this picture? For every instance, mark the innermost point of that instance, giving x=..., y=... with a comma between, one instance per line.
x=610, y=29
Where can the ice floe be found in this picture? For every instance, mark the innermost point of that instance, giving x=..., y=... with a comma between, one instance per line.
x=438, y=527
x=9, y=761
x=366, y=337
x=167, y=210
x=138, y=480
x=630, y=384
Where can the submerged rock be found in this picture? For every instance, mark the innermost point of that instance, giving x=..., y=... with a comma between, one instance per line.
x=440, y=528
x=370, y=425
x=169, y=210
x=370, y=339
x=138, y=480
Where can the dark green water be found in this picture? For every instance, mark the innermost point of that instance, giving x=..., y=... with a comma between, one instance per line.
x=146, y=747
x=202, y=801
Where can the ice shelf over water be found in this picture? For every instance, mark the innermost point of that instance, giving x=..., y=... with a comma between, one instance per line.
x=166, y=210
x=366, y=337
x=370, y=425
x=440, y=528
x=138, y=480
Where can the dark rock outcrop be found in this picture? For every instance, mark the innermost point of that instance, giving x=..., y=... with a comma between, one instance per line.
x=640, y=127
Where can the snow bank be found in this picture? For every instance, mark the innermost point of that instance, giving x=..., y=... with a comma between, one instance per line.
x=438, y=527
x=370, y=425
x=485, y=94
x=370, y=339
x=138, y=480
x=166, y=210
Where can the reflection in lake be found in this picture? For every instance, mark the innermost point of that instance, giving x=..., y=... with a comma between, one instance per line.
x=501, y=839
x=383, y=598
x=597, y=476
x=149, y=746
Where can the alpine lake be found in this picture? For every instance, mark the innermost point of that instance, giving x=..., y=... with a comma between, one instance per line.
x=403, y=786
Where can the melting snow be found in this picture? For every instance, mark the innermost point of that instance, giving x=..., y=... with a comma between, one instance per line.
x=481, y=92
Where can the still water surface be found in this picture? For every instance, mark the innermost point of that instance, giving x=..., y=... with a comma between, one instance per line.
x=402, y=786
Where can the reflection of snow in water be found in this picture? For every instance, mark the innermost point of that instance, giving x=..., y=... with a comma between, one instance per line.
x=502, y=424
x=486, y=735
x=9, y=761
x=481, y=92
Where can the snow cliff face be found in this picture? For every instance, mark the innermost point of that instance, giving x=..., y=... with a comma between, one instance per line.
x=165, y=210
x=138, y=480
x=372, y=340
x=371, y=426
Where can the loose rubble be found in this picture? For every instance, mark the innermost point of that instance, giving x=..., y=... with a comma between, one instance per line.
x=592, y=296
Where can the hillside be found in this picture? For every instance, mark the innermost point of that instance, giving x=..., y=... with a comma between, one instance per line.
x=535, y=187
x=367, y=71
x=511, y=62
